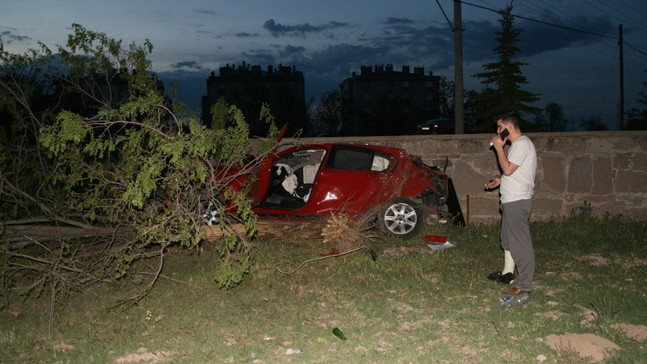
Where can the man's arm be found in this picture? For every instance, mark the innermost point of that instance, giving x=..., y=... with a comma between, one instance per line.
x=507, y=167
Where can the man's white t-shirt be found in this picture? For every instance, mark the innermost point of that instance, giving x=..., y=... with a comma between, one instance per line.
x=521, y=183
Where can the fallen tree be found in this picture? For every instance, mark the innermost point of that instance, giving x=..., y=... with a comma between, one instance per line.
x=101, y=170
x=21, y=233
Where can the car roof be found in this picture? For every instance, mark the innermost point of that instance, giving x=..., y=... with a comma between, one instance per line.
x=384, y=148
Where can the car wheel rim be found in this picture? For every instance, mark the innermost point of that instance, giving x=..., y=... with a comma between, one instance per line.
x=210, y=213
x=400, y=219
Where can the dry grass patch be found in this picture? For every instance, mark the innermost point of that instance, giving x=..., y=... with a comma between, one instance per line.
x=588, y=347
x=635, y=332
x=145, y=356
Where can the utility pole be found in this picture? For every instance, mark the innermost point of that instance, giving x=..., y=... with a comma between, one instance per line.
x=621, y=113
x=459, y=114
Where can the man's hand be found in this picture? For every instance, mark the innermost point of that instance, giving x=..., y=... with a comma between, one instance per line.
x=497, y=142
x=493, y=183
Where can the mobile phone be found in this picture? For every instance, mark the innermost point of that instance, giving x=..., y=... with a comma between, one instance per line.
x=504, y=134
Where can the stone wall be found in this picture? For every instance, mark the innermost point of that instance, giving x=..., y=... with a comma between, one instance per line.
x=607, y=170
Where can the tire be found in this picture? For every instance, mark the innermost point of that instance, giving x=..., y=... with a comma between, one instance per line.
x=401, y=218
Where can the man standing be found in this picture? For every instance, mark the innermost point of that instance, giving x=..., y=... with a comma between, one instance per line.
x=516, y=186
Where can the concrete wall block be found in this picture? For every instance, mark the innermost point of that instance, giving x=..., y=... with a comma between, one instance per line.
x=629, y=144
x=474, y=146
x=552, y=173
x=580, y=173
x=623, y=160
x=640, y=143
x=631, y=181
x=561, y=144
x=610, y=206
x=601, y=146
x=546, y=207
x=468, y=180
x=637, y=161
x=637, y=213
x=636, y=200
x=602, y=176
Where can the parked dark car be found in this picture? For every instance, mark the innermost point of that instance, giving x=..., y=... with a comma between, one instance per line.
x=383, y=184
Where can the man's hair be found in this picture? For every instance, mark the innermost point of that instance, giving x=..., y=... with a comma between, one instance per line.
x=509, y=118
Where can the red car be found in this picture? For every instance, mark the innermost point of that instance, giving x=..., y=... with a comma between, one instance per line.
x=368, y=182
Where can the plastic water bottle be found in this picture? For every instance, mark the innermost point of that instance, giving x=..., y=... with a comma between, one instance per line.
x=509, y=302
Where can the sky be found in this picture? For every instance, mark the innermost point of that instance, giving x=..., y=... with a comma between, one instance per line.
x=570, y=46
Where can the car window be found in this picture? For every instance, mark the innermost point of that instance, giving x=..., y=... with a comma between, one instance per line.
x=359, y=159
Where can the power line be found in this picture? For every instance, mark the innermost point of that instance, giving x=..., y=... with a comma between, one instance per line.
x=446, y=18
x=560, y=26
x=545, y=11
x=541, y=21
x=569, y=22
x=622, y=18
x=632, y=9
x=635, y=49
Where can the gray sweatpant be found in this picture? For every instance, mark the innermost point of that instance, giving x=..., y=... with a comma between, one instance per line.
x=515, y=237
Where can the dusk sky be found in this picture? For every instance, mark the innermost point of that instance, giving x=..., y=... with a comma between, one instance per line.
x=571, y=45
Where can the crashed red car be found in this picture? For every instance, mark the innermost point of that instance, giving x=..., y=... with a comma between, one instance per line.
x=372, y=183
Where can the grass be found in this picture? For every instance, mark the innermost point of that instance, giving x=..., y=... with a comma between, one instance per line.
x=411, y=305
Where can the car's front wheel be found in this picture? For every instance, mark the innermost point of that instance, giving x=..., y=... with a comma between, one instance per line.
x=211, y=210
x=401, y=218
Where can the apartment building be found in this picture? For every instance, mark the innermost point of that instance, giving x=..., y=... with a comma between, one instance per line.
x=248, y=87
x=383, y=101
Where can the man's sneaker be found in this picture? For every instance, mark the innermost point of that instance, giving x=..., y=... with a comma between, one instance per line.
x=514, y=292
x=507, y=278
x=494, y=276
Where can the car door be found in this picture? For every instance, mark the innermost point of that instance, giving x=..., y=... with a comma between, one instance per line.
x=351, y=182
x=262, y=173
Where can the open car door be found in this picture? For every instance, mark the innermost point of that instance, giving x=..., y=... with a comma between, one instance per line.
x=262, y=173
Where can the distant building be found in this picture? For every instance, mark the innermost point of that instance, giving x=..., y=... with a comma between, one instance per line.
x=382, y=101
x=248, y=87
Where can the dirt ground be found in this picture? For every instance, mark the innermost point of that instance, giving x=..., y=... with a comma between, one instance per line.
x=592, y=346
x=589, y=345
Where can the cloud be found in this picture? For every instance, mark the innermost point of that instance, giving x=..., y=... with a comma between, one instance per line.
x=7, y=37
x=277, y=29
x=246, y=35
x=188, y=65
x=405, y=41
x=537, y=38
x=259, y=57
x=478, y=41
x=327, y=68
x=293, y=54
x=205, y=11
x=394, y=20
x=205, y=32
